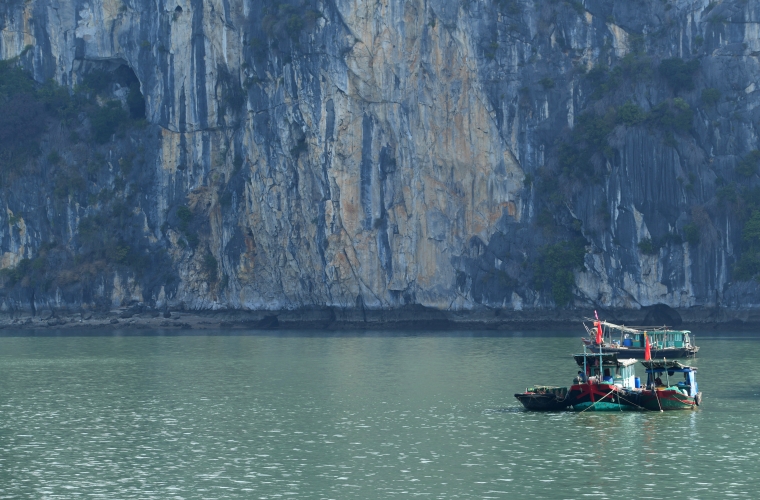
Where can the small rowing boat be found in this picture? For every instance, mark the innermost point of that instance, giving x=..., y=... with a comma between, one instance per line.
x=544, y=398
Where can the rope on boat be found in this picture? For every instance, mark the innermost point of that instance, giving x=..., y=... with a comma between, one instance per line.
x=595, y=402
x=657, y=397
x=630, y=402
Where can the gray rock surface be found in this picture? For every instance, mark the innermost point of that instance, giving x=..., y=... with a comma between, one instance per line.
x=369, y=155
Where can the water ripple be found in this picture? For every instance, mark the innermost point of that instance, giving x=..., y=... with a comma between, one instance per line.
x=369, y=417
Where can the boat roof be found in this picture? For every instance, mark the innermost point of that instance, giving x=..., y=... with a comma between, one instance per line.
x=640, y=329
x=609, y=359
x=661, y=365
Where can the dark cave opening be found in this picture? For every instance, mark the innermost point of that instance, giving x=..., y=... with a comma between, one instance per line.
x=116, y=78
x=126, y=76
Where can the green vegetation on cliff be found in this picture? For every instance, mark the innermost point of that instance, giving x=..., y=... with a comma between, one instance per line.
x=88, y=173
x=748, y=266
x=554, y=269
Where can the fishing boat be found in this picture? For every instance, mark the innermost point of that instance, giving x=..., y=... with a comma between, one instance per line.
x=544, y=398
x=671, y=393
x=605, y=383
x=664, y=342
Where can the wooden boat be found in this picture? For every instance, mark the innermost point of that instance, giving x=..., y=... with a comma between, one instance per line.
x=544, y=398
x=609, y=383
x=665, y=343
x=670, y=394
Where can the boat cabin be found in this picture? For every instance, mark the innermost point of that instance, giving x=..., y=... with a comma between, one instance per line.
x=662, y=373
x=608, y=369
x=658, y=339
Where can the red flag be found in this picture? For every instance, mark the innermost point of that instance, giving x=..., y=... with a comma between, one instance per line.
x=598, y=326
x=647, y=351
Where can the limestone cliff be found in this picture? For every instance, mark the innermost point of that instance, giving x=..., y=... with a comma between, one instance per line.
x=513, y=154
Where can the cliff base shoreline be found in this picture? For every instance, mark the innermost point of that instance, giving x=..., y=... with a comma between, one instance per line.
x=406, y=318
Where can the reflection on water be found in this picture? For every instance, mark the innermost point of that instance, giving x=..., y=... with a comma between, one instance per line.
x=354, y=416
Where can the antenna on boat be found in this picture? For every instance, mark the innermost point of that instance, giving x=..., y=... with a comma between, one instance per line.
x=585, y=364
x=667, y=375
x=601, y=343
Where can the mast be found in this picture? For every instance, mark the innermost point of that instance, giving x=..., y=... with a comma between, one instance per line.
x=585, y=364
x=667, y=377
x=600, y=376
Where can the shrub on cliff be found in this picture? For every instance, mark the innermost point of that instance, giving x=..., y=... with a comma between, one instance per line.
x=95, y=81
x=710, y=96
x=12, y=276
x=283, y=21
x=631, y=114
x=106, y=120
x=751, y=231
x=748, y=265
x=726, y=194
x=636, y=65
x=511, y=7
x=672, y=116
x=22, y=122
x=58, y=102
x=210, y=267
x=188, y=225
x=604, y=80
x=555, y=266
x=50, y=268
x=678, y=73
x=547, y=83
x=116, y=240
x=14, y=80
x=185, y=216
x=232, y=94
x=648, y=247
x=747, y=167
x=588, y=144
x=68, y=183
x=691, y=233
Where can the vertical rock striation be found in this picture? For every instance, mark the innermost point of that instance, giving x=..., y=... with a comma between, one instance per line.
x=376, y=154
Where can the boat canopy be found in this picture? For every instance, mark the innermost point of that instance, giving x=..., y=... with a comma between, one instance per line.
x=660, y=365
x=609, y=359
x=656, y=367
x=650, y=330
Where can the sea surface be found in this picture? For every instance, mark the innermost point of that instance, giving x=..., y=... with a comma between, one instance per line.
x=317, y=415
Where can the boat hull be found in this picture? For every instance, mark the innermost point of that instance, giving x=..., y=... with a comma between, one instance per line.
x=602, y=397
x=602, y=406
x=638, y=353
x=668, y=399
x=543, y=398
x=542, y=402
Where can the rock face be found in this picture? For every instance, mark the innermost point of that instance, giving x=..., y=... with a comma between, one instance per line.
x=377, y=154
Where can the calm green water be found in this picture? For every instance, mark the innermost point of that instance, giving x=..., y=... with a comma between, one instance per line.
x=355, y=416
